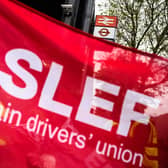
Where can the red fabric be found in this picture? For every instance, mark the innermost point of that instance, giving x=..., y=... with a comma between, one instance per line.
x=82, y=57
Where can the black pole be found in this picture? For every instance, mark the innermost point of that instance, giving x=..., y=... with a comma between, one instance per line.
x=85, y=15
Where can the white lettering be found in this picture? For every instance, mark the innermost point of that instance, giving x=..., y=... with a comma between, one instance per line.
x=90, y=99
x=46, y=100
x=128, y=114
x=12, y=58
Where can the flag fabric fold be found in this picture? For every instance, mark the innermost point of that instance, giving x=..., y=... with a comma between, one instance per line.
x=69, y=99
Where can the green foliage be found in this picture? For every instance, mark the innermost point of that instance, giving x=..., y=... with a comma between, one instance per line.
x=143, y=24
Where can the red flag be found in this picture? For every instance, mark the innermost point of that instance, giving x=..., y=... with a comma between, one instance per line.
x=71, y=100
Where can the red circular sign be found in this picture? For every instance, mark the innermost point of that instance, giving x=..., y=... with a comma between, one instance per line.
x=104, y=32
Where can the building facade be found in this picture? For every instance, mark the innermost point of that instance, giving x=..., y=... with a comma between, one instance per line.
x=77, y=13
